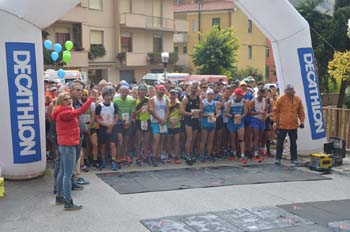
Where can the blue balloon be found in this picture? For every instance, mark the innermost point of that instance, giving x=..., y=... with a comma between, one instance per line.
x=57, y=47
x=47, y=44
x=54, y=56
x=61, y=73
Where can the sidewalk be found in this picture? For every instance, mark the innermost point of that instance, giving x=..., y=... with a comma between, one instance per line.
x=29, y=206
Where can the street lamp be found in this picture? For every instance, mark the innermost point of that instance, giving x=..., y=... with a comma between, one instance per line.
x=165, y=59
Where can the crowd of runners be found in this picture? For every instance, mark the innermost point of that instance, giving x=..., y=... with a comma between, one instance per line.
x=169, y=122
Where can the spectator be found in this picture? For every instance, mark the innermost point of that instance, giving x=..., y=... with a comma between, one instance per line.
x=286, y=112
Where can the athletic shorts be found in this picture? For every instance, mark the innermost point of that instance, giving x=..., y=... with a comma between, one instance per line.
x=233, y=128
x=104, y=138
x=219, y=122
x=257, y=123
x=174, y=131
x=124, y=131
x=194, y=123
x=156, y=128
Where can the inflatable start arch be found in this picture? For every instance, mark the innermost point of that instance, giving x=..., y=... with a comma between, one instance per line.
x=289, y=34
x=22, y=146
x=22, y=143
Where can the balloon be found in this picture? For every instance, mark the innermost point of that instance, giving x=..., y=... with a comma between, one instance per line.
x=54, y=56
x=68, y=45
x=66, y=56
x=47, y=44
x=61, y=73
x=57, y=47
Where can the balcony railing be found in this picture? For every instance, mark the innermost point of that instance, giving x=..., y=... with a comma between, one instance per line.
x=79, y=59
x=146, y=22
x=132, y=59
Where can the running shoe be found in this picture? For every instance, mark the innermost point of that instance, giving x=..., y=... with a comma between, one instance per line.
x=138, y=162
x=258, y=159
x=103, y=164
x=295, y=163
x=278, y=162
x=128, y=160
x=114, y=166
x=202, y=158
x=177, y=161
x=71, y=206
x=232, y=158
x=97, y=165
x=243, y=160
x=154, y=162
x=60, y=200
x=189, y=161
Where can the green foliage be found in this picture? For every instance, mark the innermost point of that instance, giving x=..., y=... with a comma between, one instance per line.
x=96, y=50
x=216, y=53
x=250, y=71
x=321, y=32
x=48, y=61
x=121, y=57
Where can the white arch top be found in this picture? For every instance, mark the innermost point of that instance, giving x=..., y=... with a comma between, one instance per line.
x=289, y=34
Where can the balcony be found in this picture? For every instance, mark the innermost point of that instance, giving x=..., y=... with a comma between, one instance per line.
x=181, y=25
x=79, y=59
x=146, y=22
x=132, y=59
x=180, y=38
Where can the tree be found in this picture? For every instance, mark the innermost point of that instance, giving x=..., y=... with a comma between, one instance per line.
x=340, y=21
x=216, y=53
x=339, y=68
x=250, y=71
x=321, y=32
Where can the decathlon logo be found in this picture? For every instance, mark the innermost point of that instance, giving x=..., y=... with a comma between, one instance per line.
x=23, y=98
x=312, y=92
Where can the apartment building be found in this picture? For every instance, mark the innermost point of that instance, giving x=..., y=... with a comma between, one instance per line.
x=202, y=15
x=122, y=36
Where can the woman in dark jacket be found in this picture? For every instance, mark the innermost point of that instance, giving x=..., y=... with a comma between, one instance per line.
x=68, y=138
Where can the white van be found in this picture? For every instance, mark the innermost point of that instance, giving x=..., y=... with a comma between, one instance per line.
x=152, y=78
x=70, y=75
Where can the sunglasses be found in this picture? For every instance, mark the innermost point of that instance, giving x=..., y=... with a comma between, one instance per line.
x=68, y=98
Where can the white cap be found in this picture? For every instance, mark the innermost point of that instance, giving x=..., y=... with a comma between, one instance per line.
x=289, y=86
x=210, y=91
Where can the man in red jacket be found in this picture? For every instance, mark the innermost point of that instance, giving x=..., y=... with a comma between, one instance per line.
x=68, y=139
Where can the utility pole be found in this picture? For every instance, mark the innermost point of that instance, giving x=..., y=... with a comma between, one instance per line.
x=200, y=6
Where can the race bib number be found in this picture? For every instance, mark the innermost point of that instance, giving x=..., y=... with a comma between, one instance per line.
x=125, y=116
x=163, y=129
x=144, y=125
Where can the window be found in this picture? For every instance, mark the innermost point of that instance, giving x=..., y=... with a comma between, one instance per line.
x=96, y=4
x=96, y=37
x=62, y=34
x=215, y=22
x=194, y=25
x=157, y=43
x=185, y=49
x=176, y=50
x=267, y=52
x=267, y=72
x=250, y=52
x=61, y=38
x=250, y=26
x=126, y=42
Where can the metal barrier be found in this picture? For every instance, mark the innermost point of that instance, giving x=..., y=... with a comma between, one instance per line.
x=337, y=121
